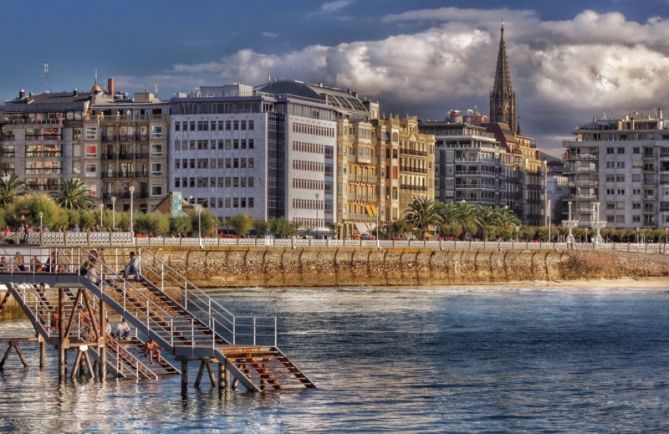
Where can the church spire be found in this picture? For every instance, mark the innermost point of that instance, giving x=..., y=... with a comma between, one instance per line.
x=502, y=97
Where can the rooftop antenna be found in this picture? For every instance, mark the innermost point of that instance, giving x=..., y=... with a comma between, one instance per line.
x=96, y=76
x=46, y=77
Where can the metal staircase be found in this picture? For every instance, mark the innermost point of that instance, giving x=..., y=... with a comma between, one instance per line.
x=41, y=306
x=164, y=306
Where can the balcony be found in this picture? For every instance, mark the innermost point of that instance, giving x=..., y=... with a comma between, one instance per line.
x=124, y=174
x=407, y=151
x=413, y=187
x=125, y=156
x=412, y=169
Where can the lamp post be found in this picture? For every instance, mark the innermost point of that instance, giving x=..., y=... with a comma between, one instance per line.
x=113, y=200
x=666, y=232
x=637, y=235
x=132, y=191
x=317, y=209
x=198, y=209
x=596, y=223
x=570, y=224
x=378, y=221
x=102, y=208
x=41, y=224
x=548, y=217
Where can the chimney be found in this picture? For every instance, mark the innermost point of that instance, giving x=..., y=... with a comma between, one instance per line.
x=22, y=93
x=75, y=92
x=111, y=86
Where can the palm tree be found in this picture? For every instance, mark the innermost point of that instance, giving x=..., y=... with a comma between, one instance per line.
x=423, y=213
x=74, y=194
x=397, y=228
x=11, y=187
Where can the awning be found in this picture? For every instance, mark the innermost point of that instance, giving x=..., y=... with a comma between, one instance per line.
x=362, y=228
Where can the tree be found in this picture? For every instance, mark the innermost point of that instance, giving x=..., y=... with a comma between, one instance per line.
x=283, y=228
x=261, y=227
x=397, y=228
x=208, y=221
x=30, y=207
x=153, y=223
x=241, y=223
x=423, y=214
x=74, y=194
x=11, y=186
x=181, y=225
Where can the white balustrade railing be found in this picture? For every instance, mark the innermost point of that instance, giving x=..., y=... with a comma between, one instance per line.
x=126, y=239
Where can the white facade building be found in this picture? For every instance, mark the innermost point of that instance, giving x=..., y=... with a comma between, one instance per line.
x=624, y=165
x=266, y=155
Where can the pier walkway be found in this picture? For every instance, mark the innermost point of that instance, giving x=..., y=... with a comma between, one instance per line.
x=70, y=312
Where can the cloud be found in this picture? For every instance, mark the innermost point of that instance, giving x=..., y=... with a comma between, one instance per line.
x=269, y=34
x=563, y=72
x=334, y=6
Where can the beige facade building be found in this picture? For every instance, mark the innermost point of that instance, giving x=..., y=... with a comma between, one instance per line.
x=408, y=159
x=130, y=135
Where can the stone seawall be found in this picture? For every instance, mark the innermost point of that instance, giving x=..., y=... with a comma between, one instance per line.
x=313, y=267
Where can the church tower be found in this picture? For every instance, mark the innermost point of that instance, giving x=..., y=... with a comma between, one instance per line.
x=502, y=97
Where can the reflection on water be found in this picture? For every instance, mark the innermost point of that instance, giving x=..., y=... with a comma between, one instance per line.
x=401, y=360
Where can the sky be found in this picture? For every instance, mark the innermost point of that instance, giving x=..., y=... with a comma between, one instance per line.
x=570, y=60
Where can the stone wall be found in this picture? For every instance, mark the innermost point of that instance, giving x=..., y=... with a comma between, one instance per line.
x=313, y=267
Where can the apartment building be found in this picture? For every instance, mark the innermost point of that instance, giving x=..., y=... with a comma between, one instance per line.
x=130, y=137
x=624, y=165
x=42, y=139
x=409, y=159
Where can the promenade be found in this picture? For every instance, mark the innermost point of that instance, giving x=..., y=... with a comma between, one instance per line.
x=126, y=239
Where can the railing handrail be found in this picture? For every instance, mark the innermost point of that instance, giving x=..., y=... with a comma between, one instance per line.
x=214, y=307
x=138, y=363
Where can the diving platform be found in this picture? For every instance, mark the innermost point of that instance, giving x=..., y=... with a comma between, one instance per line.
x=71, y=312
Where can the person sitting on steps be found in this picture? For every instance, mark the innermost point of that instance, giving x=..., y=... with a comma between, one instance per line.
x=153, y=350
x=123, y=330
x=133, y=267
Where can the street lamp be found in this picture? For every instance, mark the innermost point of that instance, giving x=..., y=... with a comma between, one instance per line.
x=41, y=223
x=132, y=191
x=102, y=208
x=666, y=232
x=198, y=209
x=637, y=235
x=113, y=200
x=317, y=208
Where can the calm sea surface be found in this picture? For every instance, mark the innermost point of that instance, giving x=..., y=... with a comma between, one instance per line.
x=404, y=360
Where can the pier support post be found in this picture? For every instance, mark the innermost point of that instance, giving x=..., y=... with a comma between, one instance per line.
x=102, y=343
x=184, y=376
x=226, y=373
x=200, y=371
x=62, y=359
x=221, y=377
x=42, y=353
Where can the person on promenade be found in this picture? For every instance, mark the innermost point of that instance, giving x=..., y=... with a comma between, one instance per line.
x=122, y=330
x=133, y=267
x=108, y=329
x=19, y=262
x=153, y=351
x=4, y=266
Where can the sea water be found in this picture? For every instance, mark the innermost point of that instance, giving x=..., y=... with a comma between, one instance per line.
x=399, y=360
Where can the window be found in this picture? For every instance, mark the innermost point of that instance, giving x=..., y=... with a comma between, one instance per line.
x=610, y=150
x=156, y=149
x=91, y=170
x=243, y=125
x=156, y=169
x=621, y=150
x=177, y=182
x=91, y=133
x=228, y=125
x=251, y=126
x=91, y=150
x=156, y=190
x=177, y=164
x=235, y=126
x=250, y=202
x=156, y=131
x=250, y=142
x=177, y=126
x=251, y=163
x=636, y=150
